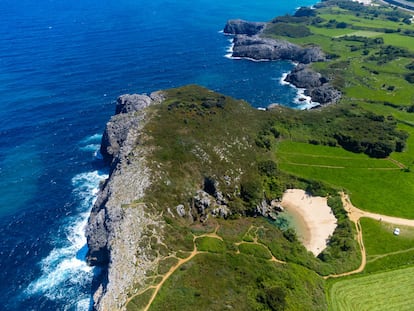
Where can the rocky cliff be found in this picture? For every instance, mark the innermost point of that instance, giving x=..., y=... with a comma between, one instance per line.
x=249, y=42
x=317, y=86
x=117, y=225
x=238, y=26
x=259, y=48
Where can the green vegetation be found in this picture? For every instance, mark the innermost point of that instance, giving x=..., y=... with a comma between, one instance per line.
x=255, y=250
x=139, y=302
x=211, y=245
x=384, y=249
x=381, y=291
x=241, y=157
x=240, y=282
x=377, y=185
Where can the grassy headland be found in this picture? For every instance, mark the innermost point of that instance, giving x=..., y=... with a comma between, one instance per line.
x=240, y=156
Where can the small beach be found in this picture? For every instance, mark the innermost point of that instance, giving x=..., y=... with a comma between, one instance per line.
x=313, y=218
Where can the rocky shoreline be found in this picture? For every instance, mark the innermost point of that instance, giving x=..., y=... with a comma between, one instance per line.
x=249, y=42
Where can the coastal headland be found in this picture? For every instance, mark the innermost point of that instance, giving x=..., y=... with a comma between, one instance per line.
x=186, y=217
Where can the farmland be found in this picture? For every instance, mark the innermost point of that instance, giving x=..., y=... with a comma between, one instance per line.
x=376, y=185
x=390, y=290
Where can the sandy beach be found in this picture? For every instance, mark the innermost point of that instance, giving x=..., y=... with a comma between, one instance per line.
x=314, y=215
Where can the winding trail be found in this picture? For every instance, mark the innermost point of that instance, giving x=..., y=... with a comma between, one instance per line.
x=180, y=262
x=156, y=288
x=354, y=214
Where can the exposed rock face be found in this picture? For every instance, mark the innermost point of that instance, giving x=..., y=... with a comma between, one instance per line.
x=325, y=94
x=115, y=229
x=118, y=128
x=258, y=48
x=304, y=77
x=238, y=26
x=317, y=87
x=248, y=42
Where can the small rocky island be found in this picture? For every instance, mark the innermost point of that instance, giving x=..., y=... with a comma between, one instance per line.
x=250, y=42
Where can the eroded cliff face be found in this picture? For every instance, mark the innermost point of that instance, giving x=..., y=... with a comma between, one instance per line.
x=259, y=48
x=118, y=227
x=249, y=42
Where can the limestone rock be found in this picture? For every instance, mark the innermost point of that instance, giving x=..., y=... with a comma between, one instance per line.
x=317, y=87
x=258, y=48
x=202, y=201
x=181, y=210
x=304, y=77
x=324, y=94
x=125, y=120
x=238, y=26
x=115, y=229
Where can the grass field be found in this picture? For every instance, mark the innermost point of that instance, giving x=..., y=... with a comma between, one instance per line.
x=375, y=185
x=390, y=290
x=385, y=250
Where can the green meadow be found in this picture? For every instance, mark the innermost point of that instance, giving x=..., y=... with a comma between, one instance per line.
x=376, y=185
x=390, y=290
x=385, y=250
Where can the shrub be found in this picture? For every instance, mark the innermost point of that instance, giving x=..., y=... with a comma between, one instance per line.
x=267, y=168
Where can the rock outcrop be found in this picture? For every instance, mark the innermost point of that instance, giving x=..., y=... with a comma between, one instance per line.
x=304, y=77
x=258, y=48
x=238, y=26
x=116, y=228
x=317, y=86
x=249, y=42
x=120, y=125
x=324, y=94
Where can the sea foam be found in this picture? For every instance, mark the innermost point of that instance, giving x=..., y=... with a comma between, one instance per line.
x=65, y=275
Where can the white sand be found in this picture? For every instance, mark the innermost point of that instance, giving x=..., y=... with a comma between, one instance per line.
x=317, y=217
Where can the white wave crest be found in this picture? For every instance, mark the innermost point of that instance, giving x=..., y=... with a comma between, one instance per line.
x=65, y=274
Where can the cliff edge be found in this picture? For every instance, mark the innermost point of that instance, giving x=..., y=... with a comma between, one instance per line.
x=116, y=226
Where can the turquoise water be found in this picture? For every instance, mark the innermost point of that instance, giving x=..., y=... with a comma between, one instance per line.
x=62, y=65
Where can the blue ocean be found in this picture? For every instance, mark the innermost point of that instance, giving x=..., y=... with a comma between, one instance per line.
x=63, y=63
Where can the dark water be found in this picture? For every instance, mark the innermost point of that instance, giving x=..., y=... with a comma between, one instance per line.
x=62, y=64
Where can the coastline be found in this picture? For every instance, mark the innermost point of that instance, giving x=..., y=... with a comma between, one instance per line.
x=314, y=217
x=302, y=101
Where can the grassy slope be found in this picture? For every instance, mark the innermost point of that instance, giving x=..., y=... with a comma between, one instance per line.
x=211, y=282
x=368, y=84
x=196, y=134
x=385, y=250
x=377, y=185
x=381, y=89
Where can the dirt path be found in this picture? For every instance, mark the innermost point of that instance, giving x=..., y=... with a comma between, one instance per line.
x=253, y=230
x=355, y=215
x=398, y=163
x=167, y=275
x=376, y=257
x=195, y=252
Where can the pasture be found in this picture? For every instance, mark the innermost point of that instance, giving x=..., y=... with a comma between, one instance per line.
x=391, y=290
x=376, y=185
x=384, y=249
